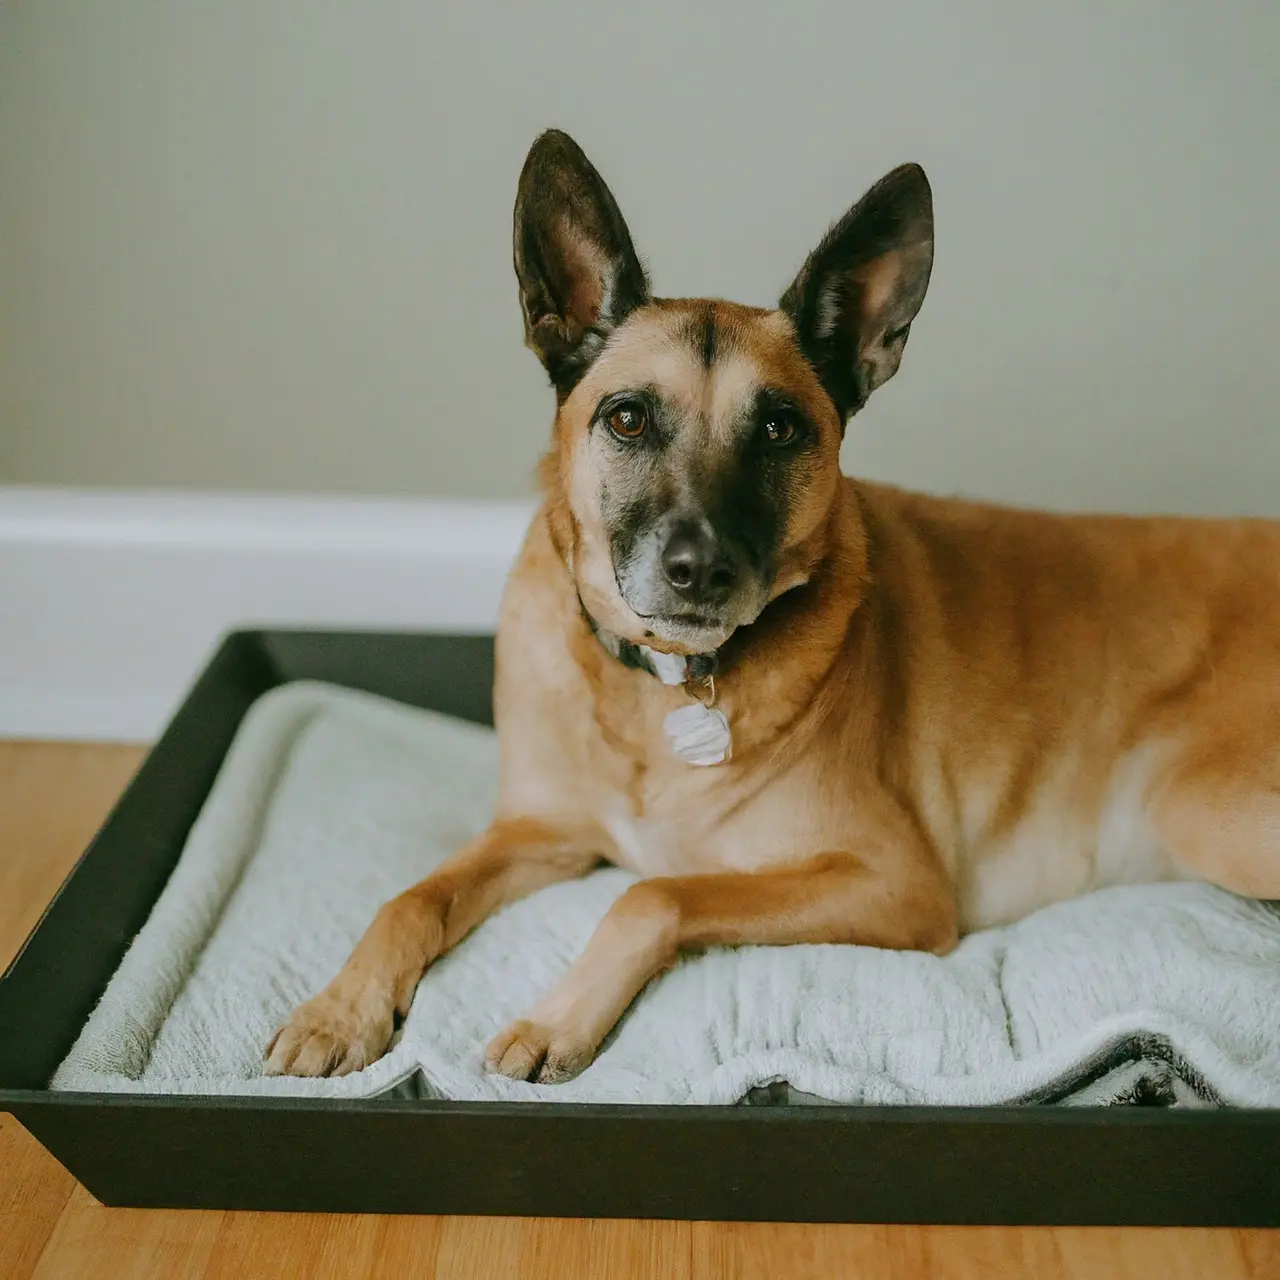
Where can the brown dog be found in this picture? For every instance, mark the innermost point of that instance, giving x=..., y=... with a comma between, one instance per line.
x=896, y=717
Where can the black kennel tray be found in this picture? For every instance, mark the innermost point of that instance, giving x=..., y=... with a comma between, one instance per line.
x=821, y=1164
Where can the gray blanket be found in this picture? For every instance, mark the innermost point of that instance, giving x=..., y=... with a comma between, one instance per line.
x=330, y=802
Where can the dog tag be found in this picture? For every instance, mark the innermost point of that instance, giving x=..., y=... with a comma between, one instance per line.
x=698, y=734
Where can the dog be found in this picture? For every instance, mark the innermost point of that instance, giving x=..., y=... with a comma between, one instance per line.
x=805, y=708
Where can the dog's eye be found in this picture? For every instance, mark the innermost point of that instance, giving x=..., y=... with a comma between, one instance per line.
x=779, y=430
x=628, y=421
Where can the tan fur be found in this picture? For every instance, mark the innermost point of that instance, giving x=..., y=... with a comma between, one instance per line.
x=962, y=713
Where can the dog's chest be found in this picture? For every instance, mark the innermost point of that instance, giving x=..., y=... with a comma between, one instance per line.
x=666, y=822
x=668, y=817
x=683, y=844
x=646, y=846
x=658, y=810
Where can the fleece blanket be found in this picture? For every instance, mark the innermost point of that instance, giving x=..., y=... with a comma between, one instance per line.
x=330, y=802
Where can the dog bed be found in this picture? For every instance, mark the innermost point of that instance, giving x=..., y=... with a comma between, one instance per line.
x=331, y=801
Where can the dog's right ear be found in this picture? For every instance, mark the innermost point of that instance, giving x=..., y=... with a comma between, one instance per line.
x=579, y=274
x=858, y=292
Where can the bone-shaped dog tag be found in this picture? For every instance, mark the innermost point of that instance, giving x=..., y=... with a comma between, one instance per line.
x=698, y=734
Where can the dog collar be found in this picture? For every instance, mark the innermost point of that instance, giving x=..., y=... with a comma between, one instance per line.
x=698, y=732
x=670, y=668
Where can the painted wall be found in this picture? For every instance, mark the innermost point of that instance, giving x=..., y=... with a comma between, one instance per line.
x=267, y=245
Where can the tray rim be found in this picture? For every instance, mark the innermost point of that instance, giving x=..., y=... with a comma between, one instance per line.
x=252, y=661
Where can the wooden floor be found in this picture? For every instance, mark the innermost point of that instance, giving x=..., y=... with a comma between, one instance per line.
x=51, y=799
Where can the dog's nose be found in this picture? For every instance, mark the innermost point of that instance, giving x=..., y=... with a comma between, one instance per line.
x=697, y=567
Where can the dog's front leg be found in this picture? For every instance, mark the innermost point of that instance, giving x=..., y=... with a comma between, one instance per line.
x=349, y=1024
x=831, y=898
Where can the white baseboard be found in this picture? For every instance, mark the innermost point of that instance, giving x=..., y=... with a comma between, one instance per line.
x=111, y=600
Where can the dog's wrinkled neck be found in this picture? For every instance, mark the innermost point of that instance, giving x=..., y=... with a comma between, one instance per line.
x=766, y=668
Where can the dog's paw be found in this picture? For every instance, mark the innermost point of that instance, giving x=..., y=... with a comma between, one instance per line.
x=537, y=1052
x=329, y=1036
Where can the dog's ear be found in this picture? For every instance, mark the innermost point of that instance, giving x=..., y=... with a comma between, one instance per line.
x=858, y=292
x=578, y=272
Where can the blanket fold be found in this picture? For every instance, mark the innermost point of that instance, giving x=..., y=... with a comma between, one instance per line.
x=331, y=801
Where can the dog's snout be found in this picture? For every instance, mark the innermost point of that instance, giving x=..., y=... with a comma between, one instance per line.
x=697, y=566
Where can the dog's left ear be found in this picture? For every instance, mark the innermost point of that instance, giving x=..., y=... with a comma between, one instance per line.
x=858, y=292
x=579, y=274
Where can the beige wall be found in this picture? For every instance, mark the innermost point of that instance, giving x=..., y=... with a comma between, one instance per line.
x=266, y=245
